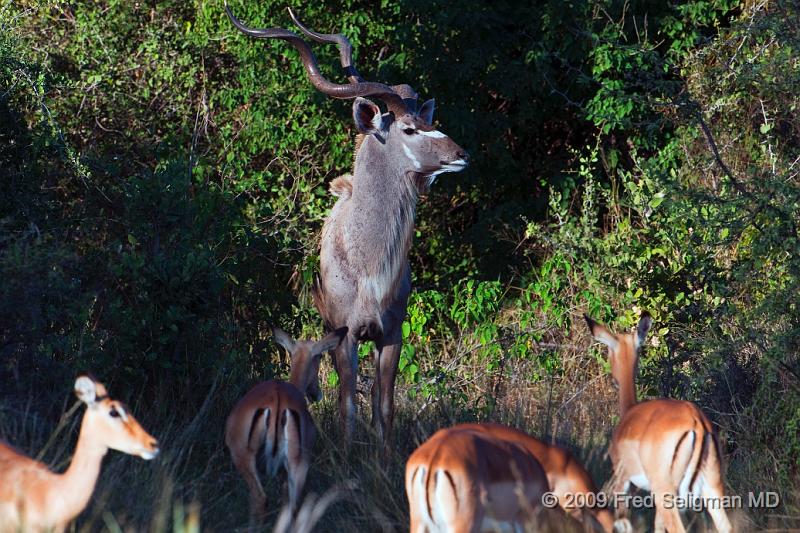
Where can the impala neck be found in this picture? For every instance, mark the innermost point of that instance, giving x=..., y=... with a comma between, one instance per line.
x=75, y=486
x=627, y=393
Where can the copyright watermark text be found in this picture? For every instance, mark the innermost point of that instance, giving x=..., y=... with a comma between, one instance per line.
x=600, y=500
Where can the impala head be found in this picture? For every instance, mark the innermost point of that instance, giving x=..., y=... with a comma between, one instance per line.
x=623, y=349
x=403, y=134
x=305, y=356
x=110, y=422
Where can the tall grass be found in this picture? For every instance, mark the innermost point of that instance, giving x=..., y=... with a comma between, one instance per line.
x=193, y=485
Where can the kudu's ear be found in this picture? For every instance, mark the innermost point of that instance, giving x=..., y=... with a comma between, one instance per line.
x=330, y=342
x=426, y=111
x=601, y=333
x=367, y=117
x=283, y=338
x=642, y=328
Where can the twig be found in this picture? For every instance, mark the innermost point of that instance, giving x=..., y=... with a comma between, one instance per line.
x=62, y=422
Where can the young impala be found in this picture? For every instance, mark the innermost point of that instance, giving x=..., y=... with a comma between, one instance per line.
x=365, y=277
x=32, y=498
x=469, y=477
x=274, y=416
x=666, y=446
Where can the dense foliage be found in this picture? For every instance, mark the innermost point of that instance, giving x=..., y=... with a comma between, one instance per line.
x=164, y=183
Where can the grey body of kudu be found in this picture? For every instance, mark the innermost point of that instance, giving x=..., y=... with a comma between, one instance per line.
x=365, y=277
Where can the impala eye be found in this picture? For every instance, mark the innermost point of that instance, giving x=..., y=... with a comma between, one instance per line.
x=409, y=131
x=114, y=413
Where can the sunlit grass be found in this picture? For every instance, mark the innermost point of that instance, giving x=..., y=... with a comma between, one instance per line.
x=193, y=485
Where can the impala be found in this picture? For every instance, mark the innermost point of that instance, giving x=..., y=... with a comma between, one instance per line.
x=365, y=277
x=666, y=446
x=274, y=416
x=470, y=477
x=32, y=498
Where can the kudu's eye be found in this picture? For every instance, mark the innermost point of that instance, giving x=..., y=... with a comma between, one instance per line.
x=409, y=131
x=114, y=413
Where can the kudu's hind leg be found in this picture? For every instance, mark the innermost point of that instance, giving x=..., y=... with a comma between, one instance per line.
x=346, y=362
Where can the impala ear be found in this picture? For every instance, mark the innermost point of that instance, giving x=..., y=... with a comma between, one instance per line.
x=283, y=338
x=331, y=341
x=86, y=390
x=367, y=117
x=601, y=333
x=426, y=111
x=642, y=328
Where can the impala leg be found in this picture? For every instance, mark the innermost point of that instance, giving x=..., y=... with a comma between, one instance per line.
x=668, y=517
x=246, y=465
x=712, y=489
x=468, y=520
x=297, y=480
x=658, y=525
x=617, y=492
x=416, y=518
x=346, y=362
x=713, y=494
x=298, y=448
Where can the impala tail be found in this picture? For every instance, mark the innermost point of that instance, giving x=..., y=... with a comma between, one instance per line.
x=284, y=440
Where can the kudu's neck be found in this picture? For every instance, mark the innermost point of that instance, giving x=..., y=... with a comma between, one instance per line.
x=382, y=184
x=381, y=169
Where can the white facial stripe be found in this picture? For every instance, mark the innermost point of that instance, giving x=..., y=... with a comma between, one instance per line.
x=411, y=156
x=435, y=134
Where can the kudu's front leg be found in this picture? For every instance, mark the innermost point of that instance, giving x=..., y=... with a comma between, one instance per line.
x=387, y=359
x=346, y=362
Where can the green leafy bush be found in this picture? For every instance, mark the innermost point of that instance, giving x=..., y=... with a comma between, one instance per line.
x=163, y=183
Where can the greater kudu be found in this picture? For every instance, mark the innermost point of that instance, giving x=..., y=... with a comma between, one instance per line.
x=365, y=275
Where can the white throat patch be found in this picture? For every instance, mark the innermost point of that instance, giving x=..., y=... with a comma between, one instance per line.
x=456, y=166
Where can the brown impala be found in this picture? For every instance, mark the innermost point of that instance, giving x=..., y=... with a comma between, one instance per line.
x=365, y=275
x=469, y=477
x=274, y=416
x=32, y=498
x=666, y=446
